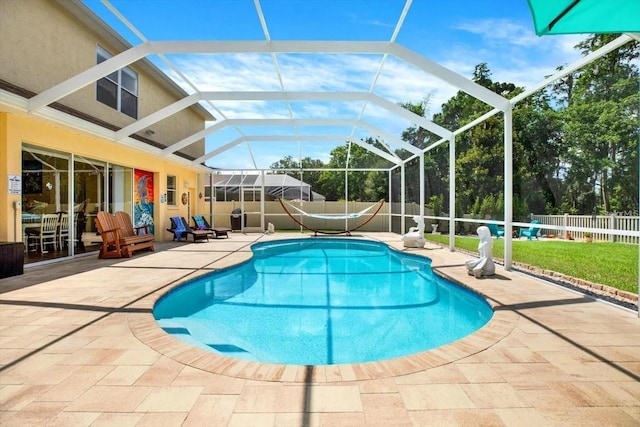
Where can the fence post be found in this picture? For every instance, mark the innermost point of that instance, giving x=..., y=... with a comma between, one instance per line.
x=612, y=226
x=565, y=221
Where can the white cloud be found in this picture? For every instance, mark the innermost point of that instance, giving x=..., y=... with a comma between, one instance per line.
x=512, y=51
x=328, y=72
x=499, y=31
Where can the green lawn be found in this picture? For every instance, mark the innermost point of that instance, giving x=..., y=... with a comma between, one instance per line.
x=611, y=264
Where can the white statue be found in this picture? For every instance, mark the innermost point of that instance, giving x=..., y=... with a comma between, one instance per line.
x=415, y=237
x=483, y=266
x=270, y=229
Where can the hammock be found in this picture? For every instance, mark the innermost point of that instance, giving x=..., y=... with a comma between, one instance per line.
x=332, y=217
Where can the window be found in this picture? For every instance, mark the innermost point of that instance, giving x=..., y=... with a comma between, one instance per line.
x=171, y=190
x=119, y=90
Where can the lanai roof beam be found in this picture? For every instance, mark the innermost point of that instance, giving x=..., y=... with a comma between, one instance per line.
x=373, y=130
x=89, y=76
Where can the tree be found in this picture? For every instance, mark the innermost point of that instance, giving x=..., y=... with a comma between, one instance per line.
x=538, y=153
x=480, y=151
x=601, y=130
x=353, y=156
x=311, y=177
x=435, y=181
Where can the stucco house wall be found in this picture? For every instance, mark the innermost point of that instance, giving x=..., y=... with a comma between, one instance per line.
x=64, y=46
x=45, y=42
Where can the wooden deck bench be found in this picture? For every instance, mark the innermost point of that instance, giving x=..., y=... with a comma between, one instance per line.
x=118, y=236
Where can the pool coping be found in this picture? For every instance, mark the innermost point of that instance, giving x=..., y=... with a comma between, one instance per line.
x=144, y=326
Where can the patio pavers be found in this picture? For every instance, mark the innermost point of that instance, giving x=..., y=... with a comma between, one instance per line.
x=78, y=346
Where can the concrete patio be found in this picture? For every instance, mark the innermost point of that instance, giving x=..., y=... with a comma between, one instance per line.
x=79, y=347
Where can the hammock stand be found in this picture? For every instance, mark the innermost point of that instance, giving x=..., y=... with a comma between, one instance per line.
x=332, y=216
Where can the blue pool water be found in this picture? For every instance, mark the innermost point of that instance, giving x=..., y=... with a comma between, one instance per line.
x=321, y=302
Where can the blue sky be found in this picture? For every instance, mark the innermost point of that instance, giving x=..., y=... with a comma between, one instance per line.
x=458, y=34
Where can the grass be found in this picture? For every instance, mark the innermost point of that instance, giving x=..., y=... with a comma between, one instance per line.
x=611, y=264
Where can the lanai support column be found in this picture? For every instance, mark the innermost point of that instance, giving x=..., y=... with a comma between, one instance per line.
x=508, y=185
x=262, y=203
x=452, y=193
x=212, y=195
x=403, y=199
x=390, y=199
x=421, y=175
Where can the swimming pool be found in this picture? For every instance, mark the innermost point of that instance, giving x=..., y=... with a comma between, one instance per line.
x=322, y=301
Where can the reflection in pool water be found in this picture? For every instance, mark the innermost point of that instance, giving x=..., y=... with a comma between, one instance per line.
x=322, y=301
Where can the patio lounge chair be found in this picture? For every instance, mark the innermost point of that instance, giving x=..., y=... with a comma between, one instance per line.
x=495, y=230
x=202, y=224
x=530, y=232
x=116, y=240
x=180, y=228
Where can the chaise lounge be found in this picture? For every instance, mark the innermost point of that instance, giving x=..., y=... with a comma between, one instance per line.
x=180, y=228
x=202, y=224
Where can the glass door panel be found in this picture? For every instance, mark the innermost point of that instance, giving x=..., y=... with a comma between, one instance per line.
x=120, y=189
x=89, y=194
x=45, y=191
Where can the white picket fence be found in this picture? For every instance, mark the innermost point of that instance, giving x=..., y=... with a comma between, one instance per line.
x=606, y=228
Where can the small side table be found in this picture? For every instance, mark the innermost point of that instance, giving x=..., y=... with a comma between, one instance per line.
x=11, y=259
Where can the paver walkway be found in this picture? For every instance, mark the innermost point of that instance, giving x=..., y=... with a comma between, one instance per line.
x=78, y=347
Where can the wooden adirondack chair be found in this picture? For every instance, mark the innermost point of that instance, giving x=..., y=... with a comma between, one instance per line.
x=118, y=236
x=111, y=234
x=136, y=238
x=127, y=225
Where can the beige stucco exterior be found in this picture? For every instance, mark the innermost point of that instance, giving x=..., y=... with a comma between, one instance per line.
x=63, y=46
x=16, y=130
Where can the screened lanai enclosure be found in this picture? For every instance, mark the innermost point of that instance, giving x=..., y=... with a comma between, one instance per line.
x=334, y=126
x=413, y=172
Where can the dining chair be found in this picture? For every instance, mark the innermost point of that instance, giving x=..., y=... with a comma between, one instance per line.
x=46, y=234
x=63, y=229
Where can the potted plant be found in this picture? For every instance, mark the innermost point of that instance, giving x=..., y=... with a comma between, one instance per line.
x=588, y=236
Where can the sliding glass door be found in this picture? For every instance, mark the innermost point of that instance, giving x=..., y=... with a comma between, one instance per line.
x=45, y=194
x=120, y=189
x=74, y=188
x=89, y=196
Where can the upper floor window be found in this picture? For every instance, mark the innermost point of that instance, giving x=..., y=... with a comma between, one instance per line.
x=118, y=90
